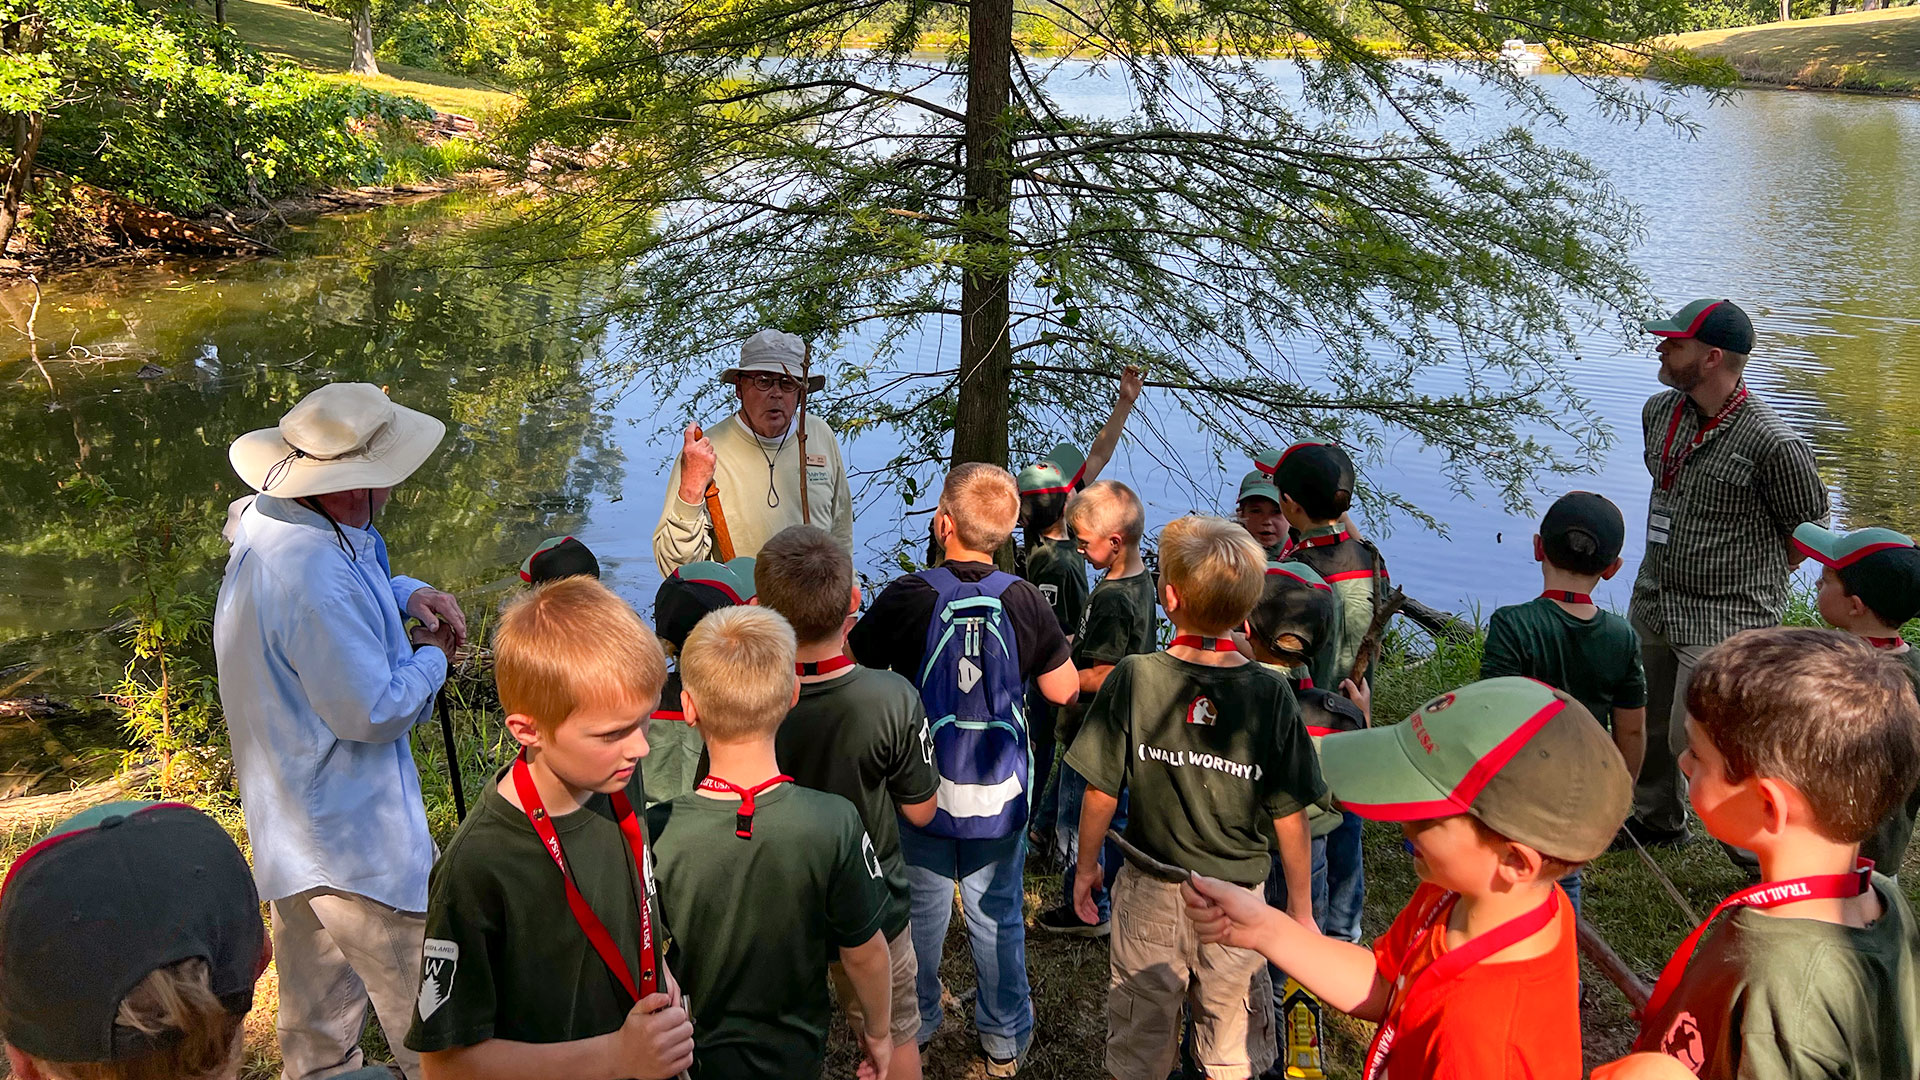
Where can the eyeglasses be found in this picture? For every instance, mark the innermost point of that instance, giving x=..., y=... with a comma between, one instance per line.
x=766, y=381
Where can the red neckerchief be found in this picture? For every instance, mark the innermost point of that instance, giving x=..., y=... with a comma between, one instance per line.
x=590, y=923
x=1451, y=965
x=1204, y=644
x=742, y=818
x=1669, y=463
x=1893, y=642
x=1765, y=895
x=1567, y=597
x=1327, y=540
x=824, y=667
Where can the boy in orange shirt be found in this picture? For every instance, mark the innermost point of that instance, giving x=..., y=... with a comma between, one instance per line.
x=1501, y=787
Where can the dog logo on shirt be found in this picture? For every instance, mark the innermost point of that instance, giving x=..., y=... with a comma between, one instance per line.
x=1202, y=711
x=439, y=959
x=1684, y=1043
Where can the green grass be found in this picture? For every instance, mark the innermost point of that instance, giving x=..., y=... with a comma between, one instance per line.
x=321, y=43
x=1861, y=50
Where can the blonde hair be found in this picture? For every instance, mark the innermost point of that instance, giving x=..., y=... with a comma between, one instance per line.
x=984, y=503
x=572, y=643
x=1107, y=507
x=176, y=1004
x=1218, y=569
x=737, y=666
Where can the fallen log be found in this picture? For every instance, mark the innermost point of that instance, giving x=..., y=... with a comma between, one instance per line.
x=29, y=810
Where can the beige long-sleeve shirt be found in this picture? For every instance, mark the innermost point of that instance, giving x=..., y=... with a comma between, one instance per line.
x=756, y=504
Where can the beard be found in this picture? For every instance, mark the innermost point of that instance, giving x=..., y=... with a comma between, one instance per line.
x=1681, y=379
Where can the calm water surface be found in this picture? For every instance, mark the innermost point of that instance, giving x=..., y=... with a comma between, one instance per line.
x=1801, y=206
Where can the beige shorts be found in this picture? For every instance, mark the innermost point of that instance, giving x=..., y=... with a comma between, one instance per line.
x=905, y=1012
x=1160, y=964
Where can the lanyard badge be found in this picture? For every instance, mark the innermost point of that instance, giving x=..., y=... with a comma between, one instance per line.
x=1670, y=462
x=590, y=923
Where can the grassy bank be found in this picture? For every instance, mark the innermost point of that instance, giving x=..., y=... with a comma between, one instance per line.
x=322, y=44
x=1624, y=900
x=1862, y=50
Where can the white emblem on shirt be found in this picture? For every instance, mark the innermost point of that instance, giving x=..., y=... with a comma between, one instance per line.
x=1202, y=712
x=439, y=959
x=1051, y=593
x=926, y=742
x=1684, y=1044
x=870, y=856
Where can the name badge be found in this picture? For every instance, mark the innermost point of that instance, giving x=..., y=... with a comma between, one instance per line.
x=816, y=461
x=1659, y=524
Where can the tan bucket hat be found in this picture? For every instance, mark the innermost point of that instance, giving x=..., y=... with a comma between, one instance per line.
x=775, y=351
x=341, y=437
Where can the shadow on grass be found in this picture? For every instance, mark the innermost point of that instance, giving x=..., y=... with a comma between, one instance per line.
x=321, y=43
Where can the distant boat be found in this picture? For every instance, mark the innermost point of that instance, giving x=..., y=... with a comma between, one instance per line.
x=1516, y=54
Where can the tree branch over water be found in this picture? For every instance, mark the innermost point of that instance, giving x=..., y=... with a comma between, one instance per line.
x=1337, y=243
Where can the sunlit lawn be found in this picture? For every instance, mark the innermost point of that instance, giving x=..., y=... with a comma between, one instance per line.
x=1877, y=50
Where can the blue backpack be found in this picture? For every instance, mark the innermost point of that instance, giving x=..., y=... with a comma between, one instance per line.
x=970, y=683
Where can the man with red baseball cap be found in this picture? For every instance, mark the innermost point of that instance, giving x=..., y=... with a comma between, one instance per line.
x=1731, y=481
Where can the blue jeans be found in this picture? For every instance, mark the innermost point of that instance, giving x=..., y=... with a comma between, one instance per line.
x=989, y=875
x=1337, y=908
x=1571, y=885
x=1066, y=832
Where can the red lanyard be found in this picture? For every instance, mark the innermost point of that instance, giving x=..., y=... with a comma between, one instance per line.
x=1567, y=597
x=1669, y=463
x=824, y=667
x=1451, y=965
x=1324, y=541
x=1893, y=642
x=1769, y=894
x=743, y=818
x=590, y=923
x=1204, y=644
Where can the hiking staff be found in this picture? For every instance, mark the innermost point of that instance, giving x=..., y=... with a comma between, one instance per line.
x=1595, y=948
x=806, y=372
x=453, y=758
x=1383, y=610
x=722, y=539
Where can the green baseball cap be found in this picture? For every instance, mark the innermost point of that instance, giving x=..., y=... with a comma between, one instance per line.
x=1842, y=549
x=1719, y=323
x=1258, y=483
x=1525, y=759
x=1058, y=472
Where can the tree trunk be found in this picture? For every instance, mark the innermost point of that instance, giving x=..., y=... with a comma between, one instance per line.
x=986, y=355
x=363, y=62
x=1786, y=10
x=27, y=129
x=220, y=11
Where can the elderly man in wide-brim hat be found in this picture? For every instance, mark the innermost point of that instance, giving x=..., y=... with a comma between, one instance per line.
x=753, y=457
x=321, y=681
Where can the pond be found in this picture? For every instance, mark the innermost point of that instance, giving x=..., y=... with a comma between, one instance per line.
x=1798, y=205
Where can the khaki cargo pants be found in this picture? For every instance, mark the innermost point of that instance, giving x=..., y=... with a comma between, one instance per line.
x=1158, y=965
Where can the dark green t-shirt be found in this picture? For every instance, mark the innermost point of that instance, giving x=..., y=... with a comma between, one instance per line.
x=1059, y=571
x=1769, y=998
x=1595, y=660
x=1211, y=755
x=504, y=958
x=757, y=921
x=1120, y=621
x=1348, y=566
x=864, y=737
x=1887, y=847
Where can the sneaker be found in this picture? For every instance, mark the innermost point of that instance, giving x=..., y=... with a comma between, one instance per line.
x=1008, y=1066
x=1064, y=920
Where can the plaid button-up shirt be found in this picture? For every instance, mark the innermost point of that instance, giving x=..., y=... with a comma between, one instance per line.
x=1733, y=508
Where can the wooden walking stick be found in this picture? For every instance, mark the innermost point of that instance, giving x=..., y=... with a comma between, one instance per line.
x=722, y=539
x=453, y=755
x=806, y=372
x=1596, y=949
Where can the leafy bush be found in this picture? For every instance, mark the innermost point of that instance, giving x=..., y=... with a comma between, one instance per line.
x=171, y=110
x=478, y=37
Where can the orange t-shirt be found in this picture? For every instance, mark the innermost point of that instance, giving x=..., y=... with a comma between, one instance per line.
x=1519, y=1019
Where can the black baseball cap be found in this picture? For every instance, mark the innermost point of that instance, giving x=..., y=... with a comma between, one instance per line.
x=1583, y=532
x=113, y=895
x=1880, y=566
x=697, y=588
x=1297, y=601
x=1327, y=713
x=558, y=557
x=1318, y=476
x=1719, y=323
